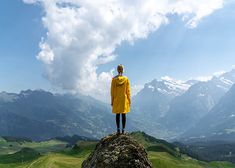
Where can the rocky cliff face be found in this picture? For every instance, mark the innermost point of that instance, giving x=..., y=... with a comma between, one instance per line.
x=118, y=151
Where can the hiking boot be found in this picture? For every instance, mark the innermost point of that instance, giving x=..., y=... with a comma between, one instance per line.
x=123, y=131
x=118, y=131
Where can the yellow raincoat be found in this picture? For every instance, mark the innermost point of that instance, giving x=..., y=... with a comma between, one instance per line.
x=120, y=94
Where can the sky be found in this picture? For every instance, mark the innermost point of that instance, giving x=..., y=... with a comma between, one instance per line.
x=75, y=45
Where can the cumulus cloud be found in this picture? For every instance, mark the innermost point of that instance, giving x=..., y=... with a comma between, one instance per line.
x=82, y=35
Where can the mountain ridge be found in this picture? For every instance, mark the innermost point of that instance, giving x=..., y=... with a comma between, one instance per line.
x=41, y=115
x=172, y=115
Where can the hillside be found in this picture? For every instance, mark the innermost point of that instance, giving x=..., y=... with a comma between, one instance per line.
x=153, y=102
x=186, y=110
x=172, y=107
x=56, y=154
x=218, y=124
x=209, y=150
x=165, y=108
x=43, y=115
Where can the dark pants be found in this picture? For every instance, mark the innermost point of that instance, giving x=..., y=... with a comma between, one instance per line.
x=123, y=121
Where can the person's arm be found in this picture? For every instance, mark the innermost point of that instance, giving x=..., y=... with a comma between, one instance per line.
x=112, y=91
x=128, y=91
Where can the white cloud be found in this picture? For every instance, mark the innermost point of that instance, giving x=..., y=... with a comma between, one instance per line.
x=135, y=89
x=47, y=56
x=81, y=35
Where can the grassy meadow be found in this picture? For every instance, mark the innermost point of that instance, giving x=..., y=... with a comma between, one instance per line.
x=56, y=154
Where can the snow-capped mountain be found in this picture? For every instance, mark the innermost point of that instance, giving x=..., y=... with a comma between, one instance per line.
x=164, y=108
x=167, y=86
x=219, y=123
x=154, y=98
x=174, y=106
x=152, y=102
x=225, y=80
x=188, y=109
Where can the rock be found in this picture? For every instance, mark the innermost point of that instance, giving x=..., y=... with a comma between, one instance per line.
x=118, y=151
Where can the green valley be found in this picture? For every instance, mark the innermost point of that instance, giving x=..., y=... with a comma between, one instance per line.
x=58, y=154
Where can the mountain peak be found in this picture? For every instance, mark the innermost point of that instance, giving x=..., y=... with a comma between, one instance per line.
x=114, y=151
x=37, y=92
x=168, y=86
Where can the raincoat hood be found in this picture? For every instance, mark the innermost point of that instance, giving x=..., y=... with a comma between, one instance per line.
x=121, y=80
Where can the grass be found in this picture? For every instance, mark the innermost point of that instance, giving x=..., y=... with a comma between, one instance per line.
x=158, y=159
x=46, y=146
x=53, y=160
x=42, y=147
x=25, y=154
x=57, y=161
x=63, y=159
x=222, y=164
x=160, y=153
x=165, y=160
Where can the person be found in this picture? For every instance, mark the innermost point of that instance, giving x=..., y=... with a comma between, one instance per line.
x=120, y=97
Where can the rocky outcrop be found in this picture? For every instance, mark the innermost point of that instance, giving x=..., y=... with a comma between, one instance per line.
x=118, y=151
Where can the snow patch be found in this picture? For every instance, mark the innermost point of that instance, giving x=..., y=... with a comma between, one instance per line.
x=226, y=81
x=201, y=95
x=151, y=87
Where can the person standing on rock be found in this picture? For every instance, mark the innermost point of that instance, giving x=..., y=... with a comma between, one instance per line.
x=120, y=97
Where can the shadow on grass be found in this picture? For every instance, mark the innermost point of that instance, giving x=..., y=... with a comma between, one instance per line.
x=25, y=154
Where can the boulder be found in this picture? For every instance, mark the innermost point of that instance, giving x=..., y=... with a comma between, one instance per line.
x=118, y=151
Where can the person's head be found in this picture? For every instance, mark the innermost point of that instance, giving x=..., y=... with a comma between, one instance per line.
x=120, y=69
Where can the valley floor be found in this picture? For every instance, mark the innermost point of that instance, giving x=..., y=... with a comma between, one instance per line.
x=158, y=159
x=55, y=154
x=51, y=160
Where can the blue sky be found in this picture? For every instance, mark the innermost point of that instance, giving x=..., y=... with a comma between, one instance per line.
x=173, y=50
x=177, y=51
x=20, y=31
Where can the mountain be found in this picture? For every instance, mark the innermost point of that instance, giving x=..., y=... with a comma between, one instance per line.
x=226, y=80
x=208, y=150
x=41, y=115
x=152, y=102
x=71, y=140
x=187, y=109
x=164, y=108
x=219, y=123
x=7, y=97
x=154, y=98
x=171, y=107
